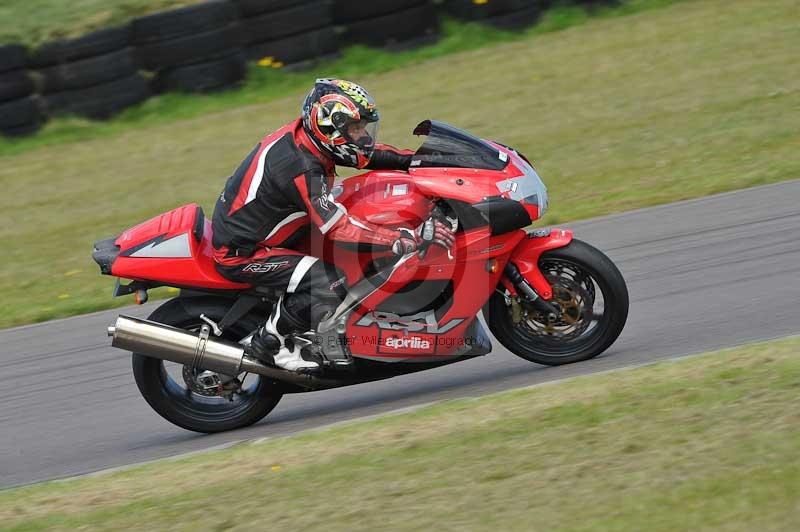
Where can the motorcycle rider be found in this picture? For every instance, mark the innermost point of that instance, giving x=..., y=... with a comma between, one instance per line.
x=282, y=186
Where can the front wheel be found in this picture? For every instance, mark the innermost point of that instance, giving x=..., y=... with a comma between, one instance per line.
x=593, y=299
x=193, y=398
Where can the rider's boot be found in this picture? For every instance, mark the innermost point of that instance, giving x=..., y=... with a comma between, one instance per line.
x=273, y=348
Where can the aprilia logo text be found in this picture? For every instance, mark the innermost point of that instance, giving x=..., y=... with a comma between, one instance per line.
x=413, y=342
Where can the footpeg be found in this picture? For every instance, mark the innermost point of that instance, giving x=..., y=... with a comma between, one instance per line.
x=211, y=323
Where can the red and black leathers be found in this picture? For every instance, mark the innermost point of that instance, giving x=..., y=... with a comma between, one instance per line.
x=267, y=207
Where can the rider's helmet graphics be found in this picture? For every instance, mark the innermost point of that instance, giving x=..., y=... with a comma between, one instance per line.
x=342, y=120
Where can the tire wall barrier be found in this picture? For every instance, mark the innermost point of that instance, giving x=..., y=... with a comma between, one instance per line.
x=94, y=76
x=288, y=32
x=20, y=109
x=205, y=47
x=389, y=23
x=198, y=48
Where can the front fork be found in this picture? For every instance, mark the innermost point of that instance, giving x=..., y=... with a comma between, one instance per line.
x=521, y=285
x=522, y=275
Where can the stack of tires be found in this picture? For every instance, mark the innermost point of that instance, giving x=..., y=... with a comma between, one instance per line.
x=288, y=32
x=19, y=110
x=596, y=3
x=192, y=49
x=503, y=14
x=389, y=23
x=94, y=76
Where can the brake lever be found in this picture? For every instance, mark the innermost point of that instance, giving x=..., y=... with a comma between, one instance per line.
x=422, y=252
x=436, y=213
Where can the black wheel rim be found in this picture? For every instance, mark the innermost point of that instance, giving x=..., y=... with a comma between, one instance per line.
x=581, y=296
x=204, y=407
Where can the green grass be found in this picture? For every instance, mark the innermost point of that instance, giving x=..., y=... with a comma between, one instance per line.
x=33, y=22
x=706, y=443
x=265, y=84
x=624, y=112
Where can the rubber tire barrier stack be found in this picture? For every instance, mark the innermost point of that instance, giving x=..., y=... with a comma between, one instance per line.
x=502, y=14
x=94, y=76
x=286, y=32
x=197, y=48
x=20, y=112
x=391, y=23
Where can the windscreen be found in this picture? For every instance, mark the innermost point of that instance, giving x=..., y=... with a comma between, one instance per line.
x=447, y=146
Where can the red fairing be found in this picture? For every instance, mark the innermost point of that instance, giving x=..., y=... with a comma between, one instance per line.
x=473, y=282
x=385, y=198
x=166, y=249
x=526, y=258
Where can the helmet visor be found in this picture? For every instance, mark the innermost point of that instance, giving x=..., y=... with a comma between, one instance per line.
x=362, y=133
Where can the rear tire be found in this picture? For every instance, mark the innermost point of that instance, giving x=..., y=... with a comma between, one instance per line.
x=188, y=409
x=549, y=345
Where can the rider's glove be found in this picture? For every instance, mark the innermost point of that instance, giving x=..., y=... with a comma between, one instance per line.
x=432, y=231
x=436, y=232
x=407, y=243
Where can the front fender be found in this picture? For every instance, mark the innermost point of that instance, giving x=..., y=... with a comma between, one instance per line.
x=526, y=257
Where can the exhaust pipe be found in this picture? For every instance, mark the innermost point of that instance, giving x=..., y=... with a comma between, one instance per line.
x=164, y=342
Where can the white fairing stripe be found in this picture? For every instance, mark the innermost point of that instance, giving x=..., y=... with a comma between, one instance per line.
x=289, y=219
x=340, y=211
x=173, y=248
x=300, y=272
x=358, y=223
x=258, y=176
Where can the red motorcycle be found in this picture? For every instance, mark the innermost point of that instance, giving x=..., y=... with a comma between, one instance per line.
x=545, y=296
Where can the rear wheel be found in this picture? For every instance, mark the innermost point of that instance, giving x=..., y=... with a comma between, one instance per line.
x=196, y=399
x=591, y=295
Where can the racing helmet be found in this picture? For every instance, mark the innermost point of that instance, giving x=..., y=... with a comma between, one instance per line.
x=342, y=121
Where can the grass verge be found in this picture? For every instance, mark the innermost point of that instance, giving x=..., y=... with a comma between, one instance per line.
x=265, y=84
x=705, y=443
x=693, y=99
x=33, y=22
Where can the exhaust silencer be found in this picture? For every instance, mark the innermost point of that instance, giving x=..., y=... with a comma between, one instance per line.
x=164, y=342
x=176, y=345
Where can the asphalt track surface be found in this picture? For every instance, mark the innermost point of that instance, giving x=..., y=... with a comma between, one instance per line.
x=702, y=274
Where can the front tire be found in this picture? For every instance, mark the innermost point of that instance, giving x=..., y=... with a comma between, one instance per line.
x=580, y=276
x=182, y=406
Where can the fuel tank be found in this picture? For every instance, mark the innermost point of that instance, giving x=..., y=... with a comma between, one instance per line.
x=384, y=198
